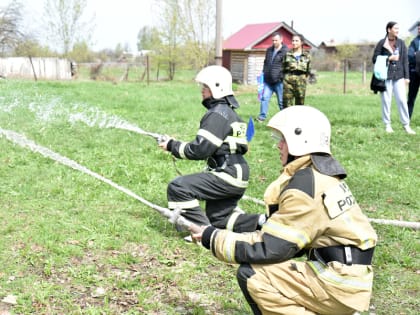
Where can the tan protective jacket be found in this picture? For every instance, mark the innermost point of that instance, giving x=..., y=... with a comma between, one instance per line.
x=307, y=209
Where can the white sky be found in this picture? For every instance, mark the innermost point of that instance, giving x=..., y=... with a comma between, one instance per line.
x=119, y=21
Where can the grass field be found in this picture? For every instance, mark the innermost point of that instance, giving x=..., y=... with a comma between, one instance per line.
x=73, y=244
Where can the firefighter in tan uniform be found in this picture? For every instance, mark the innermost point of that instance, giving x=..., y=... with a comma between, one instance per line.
x=310, y=211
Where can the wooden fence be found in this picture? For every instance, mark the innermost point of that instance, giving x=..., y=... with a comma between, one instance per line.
x=35, y=68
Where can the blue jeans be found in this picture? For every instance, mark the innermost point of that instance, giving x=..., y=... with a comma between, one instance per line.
x=269, y=89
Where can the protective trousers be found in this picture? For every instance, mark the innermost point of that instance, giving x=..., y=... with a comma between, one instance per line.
x=294, y=89
x=288, y=288
x=221, y=198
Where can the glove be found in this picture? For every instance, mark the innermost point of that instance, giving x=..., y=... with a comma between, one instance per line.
x=176, y=213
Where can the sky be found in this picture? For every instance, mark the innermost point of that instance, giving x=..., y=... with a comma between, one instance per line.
x=119, y=21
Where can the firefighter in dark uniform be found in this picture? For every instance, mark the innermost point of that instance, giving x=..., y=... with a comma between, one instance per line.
x=311, y=211
x=221, y=141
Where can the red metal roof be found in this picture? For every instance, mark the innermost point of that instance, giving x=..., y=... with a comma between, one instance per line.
x=258, y=37
x=250, y=35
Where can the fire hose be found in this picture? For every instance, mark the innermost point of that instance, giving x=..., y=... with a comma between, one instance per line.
x=174, y=216
x=413, y=225
x=160, y=138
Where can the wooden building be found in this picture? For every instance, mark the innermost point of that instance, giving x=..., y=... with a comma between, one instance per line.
x=329, y=47
x=244, y=51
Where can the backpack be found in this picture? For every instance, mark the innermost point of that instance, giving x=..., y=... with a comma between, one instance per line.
x=380, y=69
x=377, y=85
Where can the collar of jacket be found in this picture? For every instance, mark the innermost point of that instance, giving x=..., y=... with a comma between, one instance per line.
x=323, y=163
x=229, y=100
x=290, y=169
x=301, y=162
x=327, y=165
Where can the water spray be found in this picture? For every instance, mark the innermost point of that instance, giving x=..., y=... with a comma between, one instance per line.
x=173, y=216
x=96, y=117
x=102, y=120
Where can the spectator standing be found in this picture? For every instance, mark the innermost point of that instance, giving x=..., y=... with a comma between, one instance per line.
x=297, y=68
x=396, y=51
x=414, y=68
x=273, y=75
x=73, y=69
x=221, y=141
x=311, y=210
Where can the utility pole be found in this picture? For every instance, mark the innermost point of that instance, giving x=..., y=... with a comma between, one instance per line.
x=219, y=41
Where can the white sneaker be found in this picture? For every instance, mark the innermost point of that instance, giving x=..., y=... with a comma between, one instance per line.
x=188, y=239
x=409, y=130
x=389, y=129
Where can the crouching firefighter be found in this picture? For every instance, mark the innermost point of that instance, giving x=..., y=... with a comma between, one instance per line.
x=221, y=140
x=312, y=211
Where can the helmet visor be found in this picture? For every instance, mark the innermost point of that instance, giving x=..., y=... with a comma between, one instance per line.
x=277, y=135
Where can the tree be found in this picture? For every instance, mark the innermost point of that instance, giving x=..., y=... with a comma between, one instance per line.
x=186, y=32
x=198, y=30
x=171, y=38
x=346, y=51
x=31, y=47
x=148, y=38
x=65, y=24
x=10, y=24
x=80, y=53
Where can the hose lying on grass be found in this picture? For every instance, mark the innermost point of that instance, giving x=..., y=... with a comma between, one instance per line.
x=406, y=224
x=173, y=216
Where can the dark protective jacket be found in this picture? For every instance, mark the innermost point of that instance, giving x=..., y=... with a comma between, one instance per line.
x=396, y=69
x=221, y=140
x=273, y=65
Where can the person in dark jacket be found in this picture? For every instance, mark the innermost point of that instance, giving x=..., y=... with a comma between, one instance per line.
x=414, y=67
x=273, y=75
x=221, y=140
x=398, y=75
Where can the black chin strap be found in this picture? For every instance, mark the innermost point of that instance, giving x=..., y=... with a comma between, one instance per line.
x=290, y=158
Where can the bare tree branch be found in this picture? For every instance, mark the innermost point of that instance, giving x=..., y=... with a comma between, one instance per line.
x=65, y=24
x=10, y=24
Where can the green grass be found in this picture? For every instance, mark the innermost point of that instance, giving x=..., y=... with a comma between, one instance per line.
x=71, y=244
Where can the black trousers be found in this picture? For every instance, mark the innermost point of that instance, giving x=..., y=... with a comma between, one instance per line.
x=413, y=88
x=220, y=198
x=245, y=272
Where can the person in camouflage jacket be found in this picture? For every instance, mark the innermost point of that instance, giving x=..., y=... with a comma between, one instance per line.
x=297, y=68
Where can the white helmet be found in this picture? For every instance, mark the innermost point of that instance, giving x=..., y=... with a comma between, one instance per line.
x=305, y=129
x=218, y=79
